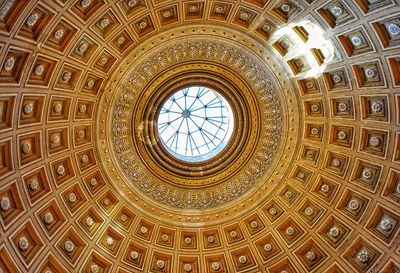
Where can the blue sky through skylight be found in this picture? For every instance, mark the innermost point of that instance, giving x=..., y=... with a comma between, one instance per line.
x=195, y=123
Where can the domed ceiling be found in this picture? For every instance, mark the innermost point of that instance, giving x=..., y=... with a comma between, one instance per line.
x=112, y=123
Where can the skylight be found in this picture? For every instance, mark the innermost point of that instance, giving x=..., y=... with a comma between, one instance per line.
x=195, y=124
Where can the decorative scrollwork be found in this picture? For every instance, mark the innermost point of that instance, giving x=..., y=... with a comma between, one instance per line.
x=254, y=74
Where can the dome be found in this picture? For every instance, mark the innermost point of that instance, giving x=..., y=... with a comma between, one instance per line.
x=199, y=136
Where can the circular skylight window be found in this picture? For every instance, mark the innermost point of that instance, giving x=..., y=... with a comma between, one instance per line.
x=195, y=124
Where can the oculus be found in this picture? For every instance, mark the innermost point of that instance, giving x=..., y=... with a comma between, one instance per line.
x=195, y=124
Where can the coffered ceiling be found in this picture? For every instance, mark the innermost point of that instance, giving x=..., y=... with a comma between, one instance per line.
x=310, y=181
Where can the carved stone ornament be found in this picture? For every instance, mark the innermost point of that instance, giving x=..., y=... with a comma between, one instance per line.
x=121, y=134
x=128, y=144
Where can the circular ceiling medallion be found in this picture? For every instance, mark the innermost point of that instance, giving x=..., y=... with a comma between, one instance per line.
x=195, y=124
x=154, y=109
x=208, y=172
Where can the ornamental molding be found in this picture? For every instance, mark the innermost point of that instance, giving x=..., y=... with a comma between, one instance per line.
x=197, y=50
x=156, y=61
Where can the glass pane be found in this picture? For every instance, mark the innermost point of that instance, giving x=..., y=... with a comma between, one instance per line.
x=195, y=124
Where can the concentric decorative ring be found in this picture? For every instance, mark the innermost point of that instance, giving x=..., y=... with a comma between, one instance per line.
x=220, y=168
x=142, y=166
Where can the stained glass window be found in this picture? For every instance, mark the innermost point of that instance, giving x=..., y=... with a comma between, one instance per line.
x=195, y=123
